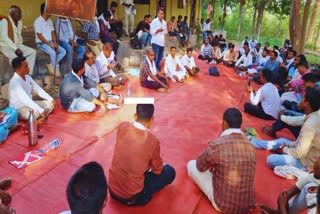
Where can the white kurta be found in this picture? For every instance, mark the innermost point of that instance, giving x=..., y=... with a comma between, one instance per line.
x=8, y=47
x=174, y=67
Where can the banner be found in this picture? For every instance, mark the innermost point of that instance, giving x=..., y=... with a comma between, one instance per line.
x=74, y=9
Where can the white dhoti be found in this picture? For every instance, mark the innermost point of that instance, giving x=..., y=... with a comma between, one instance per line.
x=180, y=74
x=29, y=53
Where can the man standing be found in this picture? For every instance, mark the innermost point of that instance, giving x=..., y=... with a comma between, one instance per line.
x=11, y=39
x=129, y=13
x=115, y=23
x=47, y=41
x=225, y=171
x=158, y=29
x=20, y=91
x=68, y=39
x=137, y=170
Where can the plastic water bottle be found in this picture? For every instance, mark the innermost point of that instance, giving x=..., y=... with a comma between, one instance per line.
x=128, y=89
x=32, y=129
x=50, y=146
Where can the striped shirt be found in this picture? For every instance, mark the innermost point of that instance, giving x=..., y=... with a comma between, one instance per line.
x=206, y=50
x=233, y=159
x=92, y=30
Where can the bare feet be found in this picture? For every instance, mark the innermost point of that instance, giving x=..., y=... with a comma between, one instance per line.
x=162, y=89
x=268, y=210
x=5, y=183
x=269, y=131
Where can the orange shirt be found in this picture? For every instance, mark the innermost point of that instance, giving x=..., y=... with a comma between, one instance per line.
x=136, y=151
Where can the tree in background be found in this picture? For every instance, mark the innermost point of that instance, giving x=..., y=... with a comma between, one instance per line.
x=313, y=20
x=241, y=15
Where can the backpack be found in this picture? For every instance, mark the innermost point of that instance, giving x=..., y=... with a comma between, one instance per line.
x=213, y=71
x=135, y=42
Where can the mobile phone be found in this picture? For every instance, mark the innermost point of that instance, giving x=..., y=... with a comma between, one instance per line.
x=40, y=136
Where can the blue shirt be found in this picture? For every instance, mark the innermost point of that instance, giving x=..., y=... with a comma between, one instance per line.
x=274, y=68
x=71, y=88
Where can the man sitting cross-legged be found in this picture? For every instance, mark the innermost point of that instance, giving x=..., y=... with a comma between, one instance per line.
x=150, y=77
x=78, y=93
x=189, y=64
x=87, y=190
x=225, y=171
x=137, y=170
x=108, y=68
x=265, y=103
x=91, y=70
x=296, y=199
x=305, y=151
x=173, y=67
x=20, y=91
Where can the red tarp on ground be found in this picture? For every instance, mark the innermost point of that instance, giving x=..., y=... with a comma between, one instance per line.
x=186, y=118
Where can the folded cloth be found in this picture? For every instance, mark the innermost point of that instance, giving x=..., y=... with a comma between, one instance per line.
x=289, y=172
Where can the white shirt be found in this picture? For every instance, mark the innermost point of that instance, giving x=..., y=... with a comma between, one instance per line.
x=44, y=27
x=207, y=26
x=269, y=97
x=159, y=37
x=189, y=62
x=263, y=60
x=4, y=39
x=279, y=59
x=127, y=10
x=20, y=93
x=171, y=65
x=102, y=63
x=66, y=30
x=92, y=72
x=231, y=131
x=252, y=44
x=245, y=59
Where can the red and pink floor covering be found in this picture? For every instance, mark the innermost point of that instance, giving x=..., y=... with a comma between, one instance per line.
x=186, y=118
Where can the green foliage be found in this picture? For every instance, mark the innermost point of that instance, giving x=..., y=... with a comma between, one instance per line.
x=312, y=59
x=281, y=7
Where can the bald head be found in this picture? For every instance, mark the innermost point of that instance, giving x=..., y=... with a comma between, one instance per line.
x=150, y=54
x=15, y=13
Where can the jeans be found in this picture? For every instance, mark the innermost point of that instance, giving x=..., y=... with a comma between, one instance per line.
x=145, y=39
x=11, y=121
x=279, y=125
x=158, y=55
x=54, y=55
x=152, y=183
x=275, y=159
x=80, y=51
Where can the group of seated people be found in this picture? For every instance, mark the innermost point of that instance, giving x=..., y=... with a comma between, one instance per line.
x=180, y=29
x=134, y=182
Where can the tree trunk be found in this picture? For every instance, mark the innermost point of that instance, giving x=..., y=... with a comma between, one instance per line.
x=241, y=14
x=261, y=7
x=254, y=19
x=318, y=37
x=313, y=21
x=193, y=4
x=225, y=2
x=304, y=26
x=295, y=25
x=213, y=3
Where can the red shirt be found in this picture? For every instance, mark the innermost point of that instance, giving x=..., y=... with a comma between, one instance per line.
x=136, y=151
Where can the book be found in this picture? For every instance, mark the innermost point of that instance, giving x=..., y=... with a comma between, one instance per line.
x=27, y=159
